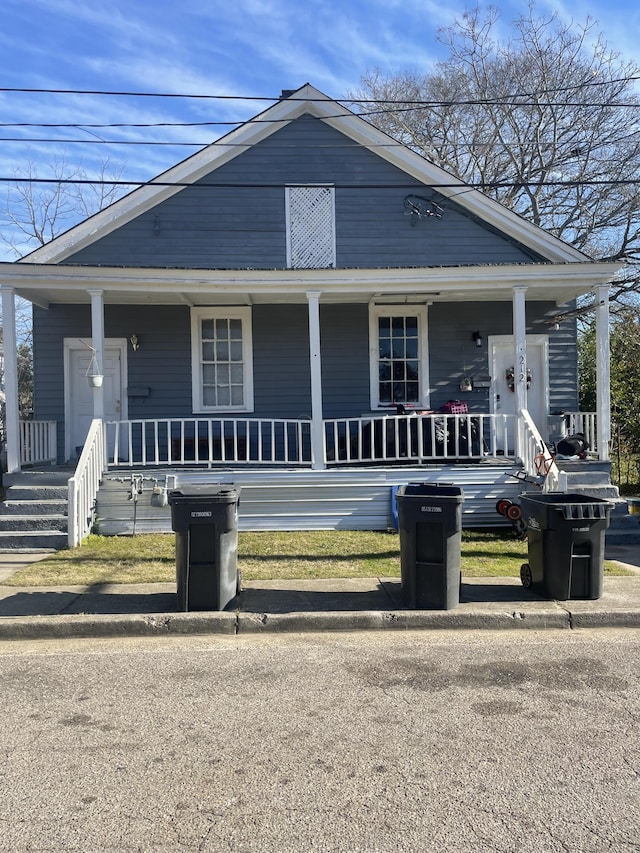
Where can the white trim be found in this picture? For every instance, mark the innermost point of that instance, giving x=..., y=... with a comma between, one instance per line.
x=603, y=372
x=227, y=313
x=306, y=100
x=70, y=344
x=564, y=281
x=11, y=396
x=419, y=311
x=315, y=356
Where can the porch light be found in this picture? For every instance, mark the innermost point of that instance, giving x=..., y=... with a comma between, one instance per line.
x=135, y=343
x=477, y=337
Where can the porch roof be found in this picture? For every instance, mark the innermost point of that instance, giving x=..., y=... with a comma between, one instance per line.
x=44, y=284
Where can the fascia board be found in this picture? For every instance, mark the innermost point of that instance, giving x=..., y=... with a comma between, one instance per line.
x=118, y=279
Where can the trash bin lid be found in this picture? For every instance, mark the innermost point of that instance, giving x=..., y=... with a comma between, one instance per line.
x=435, y=490
x=215, y=493
x=570, y=505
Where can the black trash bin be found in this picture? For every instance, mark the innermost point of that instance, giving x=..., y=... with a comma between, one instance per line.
x=565, y=534
x=430, y=524
x=205, y=521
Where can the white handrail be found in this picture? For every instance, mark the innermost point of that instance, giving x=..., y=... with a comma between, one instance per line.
x=38, y=442
x=83, y=486
x=585, y=423
x=416, y=438
x=537, y=460
x=208, y=441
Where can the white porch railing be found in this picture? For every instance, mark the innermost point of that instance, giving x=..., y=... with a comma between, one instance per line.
x=537, y=460
x=236, y=441
x=196, y=441
x=38, y=442
x=83, y=486
x=586, y=423
x=416, y=438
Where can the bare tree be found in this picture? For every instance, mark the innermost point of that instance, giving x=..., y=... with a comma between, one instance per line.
x=40, y=205
x=34, y=214
x=546, y=122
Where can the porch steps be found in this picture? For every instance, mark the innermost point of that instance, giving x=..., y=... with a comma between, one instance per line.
x=594, y=480
x=33, y=515
x=351, y=499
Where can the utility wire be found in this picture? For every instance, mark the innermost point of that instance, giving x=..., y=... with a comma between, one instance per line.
x=292, y=97
x=208, y=185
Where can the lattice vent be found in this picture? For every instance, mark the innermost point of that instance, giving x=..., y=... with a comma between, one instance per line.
x=311, y=238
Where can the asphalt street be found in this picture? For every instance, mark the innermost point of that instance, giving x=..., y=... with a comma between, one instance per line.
x=376, y=741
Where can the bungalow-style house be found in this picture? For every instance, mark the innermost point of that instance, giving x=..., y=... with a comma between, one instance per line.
x=313, y=311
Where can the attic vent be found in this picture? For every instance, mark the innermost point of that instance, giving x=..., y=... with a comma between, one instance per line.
x=310, y=227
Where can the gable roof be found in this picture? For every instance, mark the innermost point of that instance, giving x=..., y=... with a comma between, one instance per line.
x=306, y=100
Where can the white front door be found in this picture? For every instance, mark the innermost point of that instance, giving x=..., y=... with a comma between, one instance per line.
x=79, y=395
x=503, y=397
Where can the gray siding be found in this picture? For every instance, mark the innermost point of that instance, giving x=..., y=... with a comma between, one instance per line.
x=281, y=357
x=452, y=352
x=239, y=227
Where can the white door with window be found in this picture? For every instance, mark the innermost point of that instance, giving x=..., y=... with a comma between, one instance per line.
x=79, y=395
x=503, y=396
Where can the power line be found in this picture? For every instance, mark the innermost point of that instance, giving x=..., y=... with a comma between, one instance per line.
x=345, y=186
x=292, y=96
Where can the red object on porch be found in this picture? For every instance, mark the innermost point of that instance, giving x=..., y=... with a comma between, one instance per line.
x=455, y=407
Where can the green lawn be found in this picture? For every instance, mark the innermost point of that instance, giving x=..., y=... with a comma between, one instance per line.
x=150, y=558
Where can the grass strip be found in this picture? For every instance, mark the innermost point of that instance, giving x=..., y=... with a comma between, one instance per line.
x=266, y=555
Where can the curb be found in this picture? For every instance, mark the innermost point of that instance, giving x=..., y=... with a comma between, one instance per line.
x=400, y=620
x=252, y=624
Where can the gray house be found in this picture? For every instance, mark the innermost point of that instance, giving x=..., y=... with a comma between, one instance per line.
x=305, y=307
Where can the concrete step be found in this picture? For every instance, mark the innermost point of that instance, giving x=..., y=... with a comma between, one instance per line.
x=42, y=507
x=35, y=492
x=53, y=477
x=32, y=523
x=44, y=539
x=588, y=478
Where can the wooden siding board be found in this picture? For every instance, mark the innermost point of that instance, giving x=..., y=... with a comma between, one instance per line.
x=239, y=227
x=282, y=382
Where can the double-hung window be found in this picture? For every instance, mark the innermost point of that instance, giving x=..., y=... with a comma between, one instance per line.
x=221, y=360
x=398, y=355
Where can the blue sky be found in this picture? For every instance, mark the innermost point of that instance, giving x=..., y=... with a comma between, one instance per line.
x=219, y=47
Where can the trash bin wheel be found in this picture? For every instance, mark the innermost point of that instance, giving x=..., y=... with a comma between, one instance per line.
x=502, y=506
x=514, y=512
x=525, y=575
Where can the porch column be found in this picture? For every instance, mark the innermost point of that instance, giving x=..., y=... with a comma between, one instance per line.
x=603, y=373
x=97, y=341
x=520, y=360
x=12, y=414
x=317, y=437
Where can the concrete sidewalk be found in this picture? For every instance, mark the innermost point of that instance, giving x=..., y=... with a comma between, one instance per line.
x=299, y=605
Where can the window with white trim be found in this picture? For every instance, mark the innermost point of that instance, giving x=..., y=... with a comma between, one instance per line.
x=221, y=360
x=311, y=242
x=398, y=355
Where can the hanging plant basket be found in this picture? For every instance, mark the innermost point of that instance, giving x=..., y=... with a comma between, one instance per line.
x=93, y=373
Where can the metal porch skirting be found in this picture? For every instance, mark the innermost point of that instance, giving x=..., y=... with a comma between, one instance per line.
x=350, y=499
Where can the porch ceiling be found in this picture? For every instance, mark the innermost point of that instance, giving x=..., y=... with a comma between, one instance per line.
x=44, y=284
